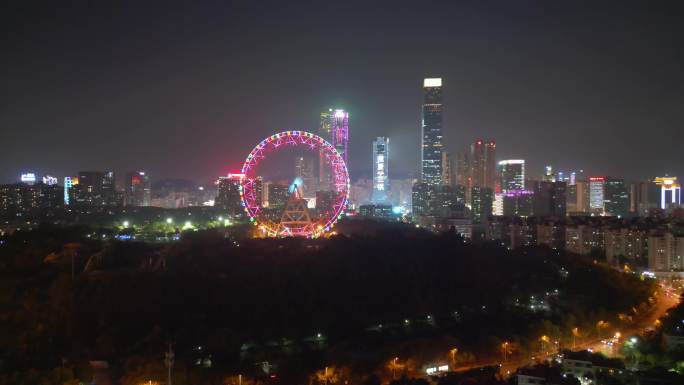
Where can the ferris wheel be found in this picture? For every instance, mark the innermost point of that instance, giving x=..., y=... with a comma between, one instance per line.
x=296, y=217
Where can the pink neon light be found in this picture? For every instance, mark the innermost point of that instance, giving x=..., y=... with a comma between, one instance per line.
x=318, y=146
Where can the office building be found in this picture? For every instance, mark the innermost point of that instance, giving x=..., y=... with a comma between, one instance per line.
x=490, y=171
x=597, y=195
x=95, y=188
x=304, y=170
x=380, y=157
x=277, y=195
x=577, y=202
x=431, y=132
x=476, y=164
x=517, y=203
x=549, y=199
x=138, y=189
x=511, y=175
x=325, y=181
x=616, y=197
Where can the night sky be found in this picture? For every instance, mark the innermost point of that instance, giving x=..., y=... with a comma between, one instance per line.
x=186, y=91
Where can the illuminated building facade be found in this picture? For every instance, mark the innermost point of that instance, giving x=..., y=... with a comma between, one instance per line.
x=325, y=181
x=431, y=132
x=138, y=189
x=517, y=203
x=340, y=133
x=28, y=178
x=228, y=194
x=512, y=175
x=596, y=194
x=380, y=156
x=670, y=192
x=69, y=184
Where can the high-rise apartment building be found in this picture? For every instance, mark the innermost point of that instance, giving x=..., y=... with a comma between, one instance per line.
x=431, y=132
x=380, y=157
x=665, y=252
x=228, y=195
x=462, y=172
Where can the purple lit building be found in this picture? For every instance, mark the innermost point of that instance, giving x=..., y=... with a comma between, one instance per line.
x=518, y=203
x=340, y=133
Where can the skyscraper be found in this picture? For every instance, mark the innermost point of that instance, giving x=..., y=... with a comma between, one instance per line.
x=447, y=169
x=616, y=197
x=340, y=133
x=482, y=203
x=95, y=188
x=138, y=189
x=462, y=169
x=596, y=194
x=380, y=156
x=476, y=163
x=431, y=132
x=550, y=199
x=304, y=169
x=228, y=196
x=512, y=175
x=490, y=175
x=325, y=182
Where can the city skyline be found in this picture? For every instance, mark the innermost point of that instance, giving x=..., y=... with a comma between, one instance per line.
x=564, y=98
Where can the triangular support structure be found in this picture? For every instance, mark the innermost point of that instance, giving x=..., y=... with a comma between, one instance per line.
x=296, y=219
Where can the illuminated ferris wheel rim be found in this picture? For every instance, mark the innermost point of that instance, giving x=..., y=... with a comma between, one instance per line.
x=296, y=138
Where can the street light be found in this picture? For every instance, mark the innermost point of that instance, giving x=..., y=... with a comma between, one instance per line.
x=169, y=220
x=125, y=223
x=452, y=353
x=504, y=347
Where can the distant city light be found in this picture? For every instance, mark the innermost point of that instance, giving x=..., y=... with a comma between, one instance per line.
x=29, y=178
x=125, y=223
x=169, y=220
x=432, y=82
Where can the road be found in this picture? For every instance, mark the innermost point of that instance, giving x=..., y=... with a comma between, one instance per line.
x=667, y=298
